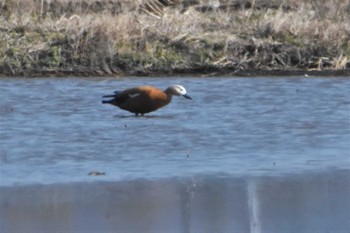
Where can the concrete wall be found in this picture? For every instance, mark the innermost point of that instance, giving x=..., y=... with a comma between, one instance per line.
x=295, y=203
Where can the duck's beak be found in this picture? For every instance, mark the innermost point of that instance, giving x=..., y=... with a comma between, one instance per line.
x=187, y=96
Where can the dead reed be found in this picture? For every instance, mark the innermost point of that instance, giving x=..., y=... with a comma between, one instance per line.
x=105, y=37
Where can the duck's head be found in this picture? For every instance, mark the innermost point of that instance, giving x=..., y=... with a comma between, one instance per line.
x=177, y=90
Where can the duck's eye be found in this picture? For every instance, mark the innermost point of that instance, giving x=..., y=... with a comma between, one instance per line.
x=180, y=89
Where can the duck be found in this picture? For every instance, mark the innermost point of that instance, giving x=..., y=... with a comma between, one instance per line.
x=144, y=99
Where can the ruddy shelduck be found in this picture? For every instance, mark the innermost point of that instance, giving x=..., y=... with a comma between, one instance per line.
x=144, y=99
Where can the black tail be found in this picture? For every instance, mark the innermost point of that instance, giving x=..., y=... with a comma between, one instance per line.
x=110, y=101
x=107, y=101
x=109, y=96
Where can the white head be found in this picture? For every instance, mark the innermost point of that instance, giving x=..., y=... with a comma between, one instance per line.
x=177, y=90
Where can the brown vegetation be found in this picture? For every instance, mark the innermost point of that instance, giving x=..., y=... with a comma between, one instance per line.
x=114, y=37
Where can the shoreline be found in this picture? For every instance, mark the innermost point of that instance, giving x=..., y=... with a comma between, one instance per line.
x=199, y=72
x=174, y=37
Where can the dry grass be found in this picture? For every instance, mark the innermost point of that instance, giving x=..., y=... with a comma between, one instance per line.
x=114, y=37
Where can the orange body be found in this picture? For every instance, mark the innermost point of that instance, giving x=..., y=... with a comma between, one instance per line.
x=141, y=100
x=144, y=99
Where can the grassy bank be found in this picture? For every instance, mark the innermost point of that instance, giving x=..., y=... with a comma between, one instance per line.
x=111, y=37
